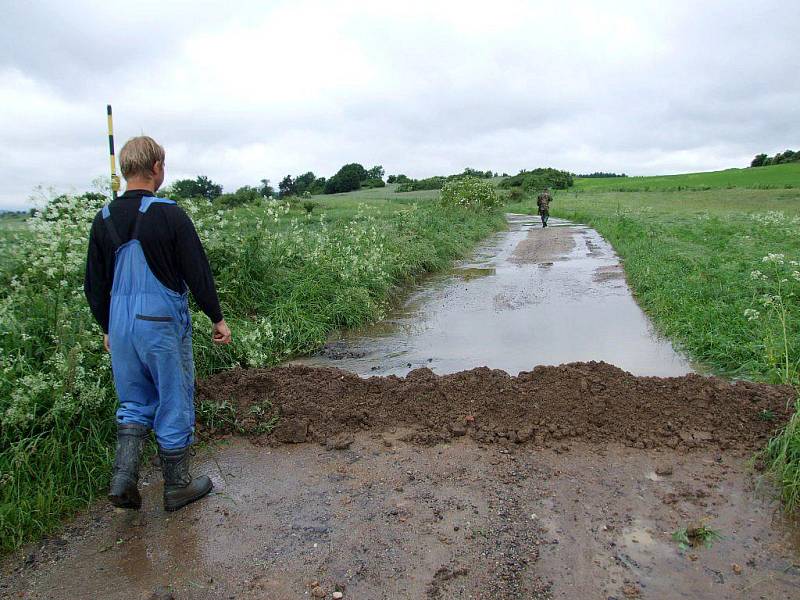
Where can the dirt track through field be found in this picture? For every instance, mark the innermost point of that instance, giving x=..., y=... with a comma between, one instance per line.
x=555, y=482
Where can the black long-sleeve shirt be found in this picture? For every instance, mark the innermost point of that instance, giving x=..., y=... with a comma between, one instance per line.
x=171, y=247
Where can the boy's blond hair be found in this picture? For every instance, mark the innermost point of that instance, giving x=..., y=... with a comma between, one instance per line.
x=138, y=155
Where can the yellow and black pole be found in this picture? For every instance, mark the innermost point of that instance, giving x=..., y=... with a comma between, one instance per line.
x=114, y=178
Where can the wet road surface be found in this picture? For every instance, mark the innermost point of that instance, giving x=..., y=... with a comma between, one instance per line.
x=528, y=296
x=384, y=519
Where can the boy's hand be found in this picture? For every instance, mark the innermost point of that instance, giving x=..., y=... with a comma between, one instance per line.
x=221, y=334
x=106, y=343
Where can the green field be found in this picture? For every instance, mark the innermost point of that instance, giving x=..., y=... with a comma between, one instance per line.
x=773, y=177
x=717, y=271
x=286, y=277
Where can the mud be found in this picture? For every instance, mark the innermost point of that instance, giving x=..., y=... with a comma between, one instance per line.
x=592, y=401
x=388, y=519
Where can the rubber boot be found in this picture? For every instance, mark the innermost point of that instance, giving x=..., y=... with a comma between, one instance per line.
x=124, y=491
x=180, y=488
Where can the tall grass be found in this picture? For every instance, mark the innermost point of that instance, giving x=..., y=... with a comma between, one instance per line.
x=782, y=456
x=285, y=279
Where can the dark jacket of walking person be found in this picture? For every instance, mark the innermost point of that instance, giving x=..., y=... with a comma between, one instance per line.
x=144, y=257
x=543, y=202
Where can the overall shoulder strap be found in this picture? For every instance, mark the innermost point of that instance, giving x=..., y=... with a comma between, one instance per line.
x=144, y=205
x=112, y=231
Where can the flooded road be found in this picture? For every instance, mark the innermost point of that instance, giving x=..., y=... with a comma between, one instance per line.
x=528, y=296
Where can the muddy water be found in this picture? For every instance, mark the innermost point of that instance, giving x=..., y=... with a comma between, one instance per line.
x=528, y=296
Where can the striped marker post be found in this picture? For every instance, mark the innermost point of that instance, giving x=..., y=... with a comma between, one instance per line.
x=114, y=178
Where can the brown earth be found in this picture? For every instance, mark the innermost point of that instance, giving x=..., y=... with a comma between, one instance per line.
x=593, y=401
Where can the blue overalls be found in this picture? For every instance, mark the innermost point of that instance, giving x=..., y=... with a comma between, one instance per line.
x=150, y=332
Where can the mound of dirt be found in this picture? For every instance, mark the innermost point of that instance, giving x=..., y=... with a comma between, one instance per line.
x=592, y=401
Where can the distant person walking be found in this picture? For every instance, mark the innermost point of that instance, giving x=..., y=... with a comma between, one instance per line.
x=144, y=256
x=543, y=202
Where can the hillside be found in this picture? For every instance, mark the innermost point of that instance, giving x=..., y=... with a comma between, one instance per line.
x=778, y=176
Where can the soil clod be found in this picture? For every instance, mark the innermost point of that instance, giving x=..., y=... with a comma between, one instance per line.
x=545, y=405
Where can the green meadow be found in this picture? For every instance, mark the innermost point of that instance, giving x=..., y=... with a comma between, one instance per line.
x=772, y=177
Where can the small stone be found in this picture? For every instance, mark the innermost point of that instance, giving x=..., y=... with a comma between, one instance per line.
x=337, y=595
x=318, y=592
x=664, y=470
x=736, y=568
x=458, y=429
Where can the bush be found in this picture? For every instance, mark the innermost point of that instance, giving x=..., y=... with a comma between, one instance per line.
x=414, y=185
x=469, y=192
x=539, y=179
x=373, y=183
x=244, y=195
x=202, y=187
x=436, y=182
x=516, y=194
x=347, y=179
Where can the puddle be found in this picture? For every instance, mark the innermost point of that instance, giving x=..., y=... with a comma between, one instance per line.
x=527, y=296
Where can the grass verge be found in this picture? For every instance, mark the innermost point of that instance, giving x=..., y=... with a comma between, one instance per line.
x=717, y=272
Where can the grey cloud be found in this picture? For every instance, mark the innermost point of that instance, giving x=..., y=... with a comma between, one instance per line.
x=635, y=87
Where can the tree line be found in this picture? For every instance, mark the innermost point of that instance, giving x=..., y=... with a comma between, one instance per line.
x=351, y=177
x=406, y=184
x=763, y=160
x=598, y=175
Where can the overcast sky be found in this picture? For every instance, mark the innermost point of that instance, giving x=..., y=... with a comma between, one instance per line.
x=241, y=91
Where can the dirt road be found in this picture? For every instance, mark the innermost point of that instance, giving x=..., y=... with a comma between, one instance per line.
x=559, y=482
x=385, y=518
